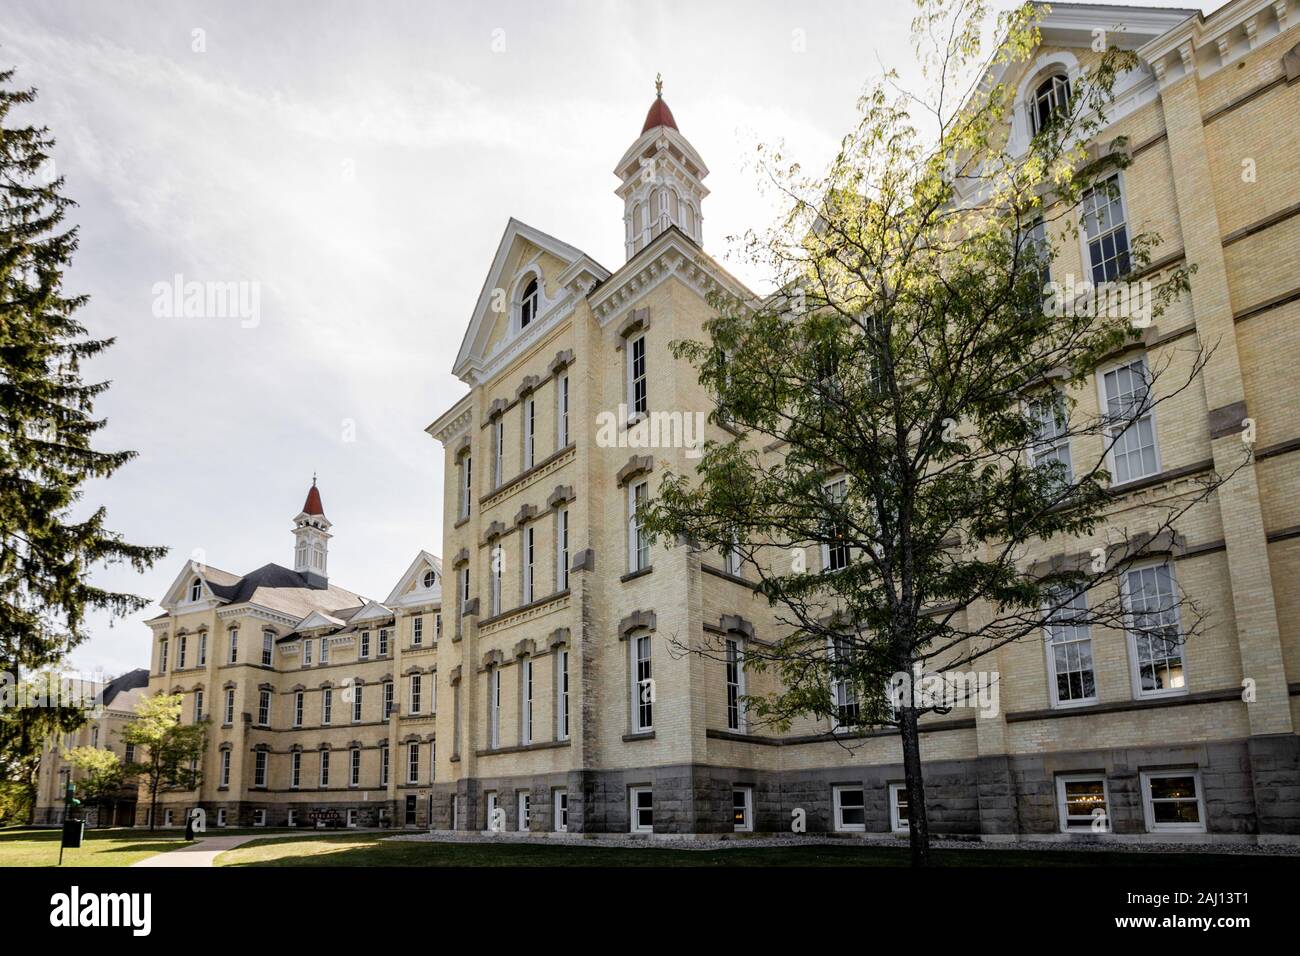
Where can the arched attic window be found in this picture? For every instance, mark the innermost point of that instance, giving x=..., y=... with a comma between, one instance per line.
x=196, y=590
x=528, y=303
x=1052, y=96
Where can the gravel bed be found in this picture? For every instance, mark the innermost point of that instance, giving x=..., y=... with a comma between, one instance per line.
x=790, y=839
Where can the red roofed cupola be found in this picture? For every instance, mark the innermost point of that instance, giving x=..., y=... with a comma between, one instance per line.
x=661, y=178
x=311, y=533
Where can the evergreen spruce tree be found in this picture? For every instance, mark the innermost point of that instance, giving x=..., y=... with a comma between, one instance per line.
x=47, y=424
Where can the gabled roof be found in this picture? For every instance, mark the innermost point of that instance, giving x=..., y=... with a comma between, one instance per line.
x=410, y=587
x=473, y=346
x=373, y=611
x=271, y=586
x=121, y=685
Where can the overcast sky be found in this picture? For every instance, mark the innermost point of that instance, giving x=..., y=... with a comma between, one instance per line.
x=358, y=162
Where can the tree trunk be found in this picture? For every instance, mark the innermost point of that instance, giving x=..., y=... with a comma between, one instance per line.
x=918, y=825
x=153, y=804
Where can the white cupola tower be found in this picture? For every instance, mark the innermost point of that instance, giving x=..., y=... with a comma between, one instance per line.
x=311, y=535
x=661, y=178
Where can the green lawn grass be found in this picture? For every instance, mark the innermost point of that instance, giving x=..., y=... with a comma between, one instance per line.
x=370, y=849
x=118, y=846
x=23, y=846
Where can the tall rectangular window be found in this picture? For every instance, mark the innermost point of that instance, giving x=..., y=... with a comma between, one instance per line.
x=383, y=765
x=462, y=594
x=643, y=689
x=264, y=707
x=417, y=631
x=638, y=542
x=529, y=541
x=562, y=549
x=203, y=648
x=562, y=694
x=268, y=648
x=494, y=708
x=383, y=642
x=844, y=692
x=181, y=647
x=162, y=657
x=297, y=708
x=636, y=376
x=1069, y=650
x=898, y=808
x=835, y=549
x=850, y=809
x=357, y=690
x=225, y=768
x=1106, y=231
x=1051, y=446
x=233, y=644
x=417, y=692
x=327, y=705
x=364, y=652
x=295, y=770
x=498, y=452
x=560, y=813
x=413, y=763
x=259, y=769
x=437, y=626
x=324, y=768
x=498, y=561
x=466, y=485
x=1130, y=416
x=354, y=768
x=530, y=431
x=562, y=411
x=526, y=703
x=735, y=686
x=642, y=809
x=324, y=650
x=525, y=815
x=388, y=699
x=306, y=652
x=198, y=707
x=742, y=809
x=230, y=706
x=1154, y=633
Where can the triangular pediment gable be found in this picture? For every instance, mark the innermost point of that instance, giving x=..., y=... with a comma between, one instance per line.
x=177, y=594
x=521, y=246
x=410, y=587
x=373, y=611
x=316, y=620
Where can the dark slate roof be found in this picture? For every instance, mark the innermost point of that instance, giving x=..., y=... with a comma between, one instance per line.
x=280, y=589
x=131, y=680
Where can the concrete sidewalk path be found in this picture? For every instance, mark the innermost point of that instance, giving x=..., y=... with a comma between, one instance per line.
x=202, y=852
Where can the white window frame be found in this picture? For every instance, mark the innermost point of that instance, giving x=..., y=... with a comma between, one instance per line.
x=389, y=699
x=1148, y=805
x=203, y=648
x=496, y=562
x=562, y=411
x=306, y=652
x=358, y=691
x=416, y=692
x=232, y=636
x=364, y=645
x=225, y=769
x=498, y=451
x=896, y=824
x=230, y=707
x=295, y=770
x=417, y=631
x=634, y=814
x=1053, y=447
x=221, y=816
x=466, y=484
x=530, y=431
x=530, y=555
x=260, y=764
x=825, y=546
x=259, y=818
x=324, y=650
x=1107, y=432
x=524, y=810
x=383, y=765
x=413, y=762
x=560, y=810
x=354, y=767
x=494, y=708
x=633, y=379
x=735, y=660
x=352, y=818
x=526, y=702
x=1135, y=670
x=1062, y=813
x=383, y=640
x=562, y=549
x=326, y=706
x=837, y=793
x=323, y=775
x=641, y=708
x=638, y=544
x=747, y=823
x=562, y=694
x=196, y=591
x=1053, y=690
x=264, y=708
x=1126, y=223
x=268, y=648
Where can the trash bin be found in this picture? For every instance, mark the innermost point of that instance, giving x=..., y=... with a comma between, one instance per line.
x=73, y=832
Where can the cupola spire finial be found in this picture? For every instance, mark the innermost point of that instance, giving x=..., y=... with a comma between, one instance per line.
x=659, y=85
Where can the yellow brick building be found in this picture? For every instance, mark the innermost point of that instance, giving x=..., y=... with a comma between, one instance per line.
x=555, y=695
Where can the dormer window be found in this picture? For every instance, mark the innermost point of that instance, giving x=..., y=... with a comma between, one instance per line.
x=429, y=579
x=1050, y=98
x=196, y=590
x=528, y=304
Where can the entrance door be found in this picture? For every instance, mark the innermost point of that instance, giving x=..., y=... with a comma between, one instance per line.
x=410, y=810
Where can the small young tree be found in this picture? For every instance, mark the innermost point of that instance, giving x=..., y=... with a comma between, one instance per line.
x=104, y=776
x=899, y=409
x=171, y=749
x=47, y=424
